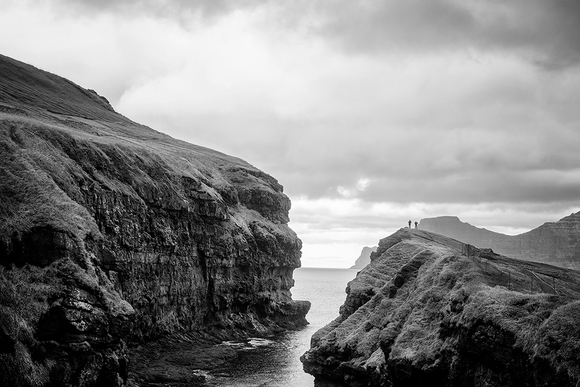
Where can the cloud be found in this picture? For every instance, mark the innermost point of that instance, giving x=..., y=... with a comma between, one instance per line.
x=367, y=112
x=360, y=186
x=180, y=10
x=324, y=215
x=440, y=124
x=543, y=32
x=415, y=132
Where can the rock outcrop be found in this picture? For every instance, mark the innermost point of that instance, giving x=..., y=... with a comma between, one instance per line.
x=557, y=243
x=364, y=257
x=111, y=232
x=428, y=311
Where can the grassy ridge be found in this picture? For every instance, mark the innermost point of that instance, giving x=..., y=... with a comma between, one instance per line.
x=425, y=313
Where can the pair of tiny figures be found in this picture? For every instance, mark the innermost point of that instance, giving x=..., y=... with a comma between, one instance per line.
x=416, y=223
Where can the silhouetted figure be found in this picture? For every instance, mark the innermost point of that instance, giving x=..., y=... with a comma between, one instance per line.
x=409, y=224
x=416, y=223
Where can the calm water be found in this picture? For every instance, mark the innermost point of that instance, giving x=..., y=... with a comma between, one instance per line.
x=276, y=362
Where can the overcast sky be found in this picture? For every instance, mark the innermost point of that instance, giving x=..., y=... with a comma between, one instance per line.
x=370, y=113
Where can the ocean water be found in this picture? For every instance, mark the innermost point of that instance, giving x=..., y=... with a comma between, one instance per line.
x=276, y=362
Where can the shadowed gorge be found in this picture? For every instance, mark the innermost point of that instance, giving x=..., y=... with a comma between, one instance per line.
x=112, y=233
x=431, y=311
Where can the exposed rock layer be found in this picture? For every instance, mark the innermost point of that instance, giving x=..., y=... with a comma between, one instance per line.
x=111, y=231
x=428, y=312
x=557, y=243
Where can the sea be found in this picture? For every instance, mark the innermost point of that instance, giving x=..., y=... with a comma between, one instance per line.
x=275, y=362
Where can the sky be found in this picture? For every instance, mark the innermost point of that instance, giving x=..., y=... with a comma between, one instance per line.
x=369, y=113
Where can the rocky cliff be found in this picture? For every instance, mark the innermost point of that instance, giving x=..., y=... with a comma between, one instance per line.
x=111, y=232
x=557, y=243
x=427, y=311
x=364, y=257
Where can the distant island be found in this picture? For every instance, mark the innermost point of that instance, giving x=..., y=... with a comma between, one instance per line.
x=364, y=257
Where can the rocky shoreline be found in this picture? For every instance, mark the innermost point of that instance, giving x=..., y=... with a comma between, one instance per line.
x=179, y=360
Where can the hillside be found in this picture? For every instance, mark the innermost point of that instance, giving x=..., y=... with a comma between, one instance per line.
x=430, y=311
x=113, y=234
x=556, y=243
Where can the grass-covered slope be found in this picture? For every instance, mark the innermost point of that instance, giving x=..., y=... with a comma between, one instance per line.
x=111, y=231
x=429, y=311
x=556, y=243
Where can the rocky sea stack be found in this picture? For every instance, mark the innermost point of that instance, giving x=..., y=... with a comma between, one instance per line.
x=431, y=311
x=113, y=234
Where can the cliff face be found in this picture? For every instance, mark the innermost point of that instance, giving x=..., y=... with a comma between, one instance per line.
x=111, y=231
x=364, y=258
x=557, y=243
x=428, y=312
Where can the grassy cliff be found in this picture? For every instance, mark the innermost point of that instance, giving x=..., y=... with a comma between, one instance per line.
x=111, y=233
x=432, y=311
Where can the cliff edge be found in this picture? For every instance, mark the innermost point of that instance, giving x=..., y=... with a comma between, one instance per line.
x=111, y=232
x=556, y=243
x=431, y=311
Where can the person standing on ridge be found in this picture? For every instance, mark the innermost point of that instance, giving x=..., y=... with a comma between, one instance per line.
x=409, y=224
x=416, y=223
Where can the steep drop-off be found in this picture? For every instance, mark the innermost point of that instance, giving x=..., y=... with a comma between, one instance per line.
x=428, y=311
x=364, y=257
x=557, y=243
x=112, y=232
